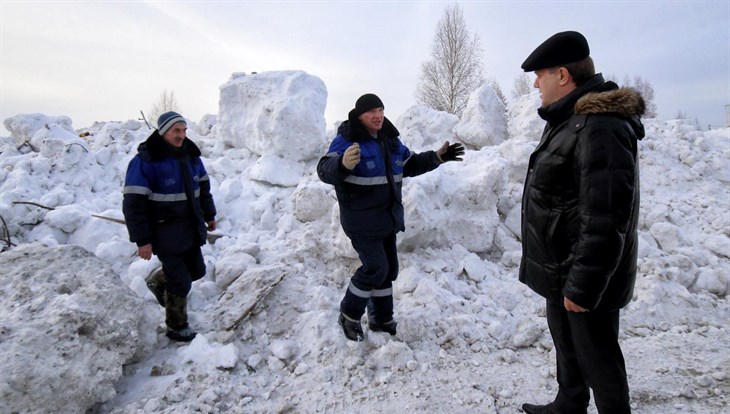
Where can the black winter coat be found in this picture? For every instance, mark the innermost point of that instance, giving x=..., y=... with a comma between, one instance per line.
x=167, y=200
x=580, y=204
x=369, y=196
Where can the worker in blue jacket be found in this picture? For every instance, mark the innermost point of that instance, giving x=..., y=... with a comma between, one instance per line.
x=168, y=210
x=366, y=162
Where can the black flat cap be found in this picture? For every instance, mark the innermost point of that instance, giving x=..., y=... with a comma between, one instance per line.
x=560, y=49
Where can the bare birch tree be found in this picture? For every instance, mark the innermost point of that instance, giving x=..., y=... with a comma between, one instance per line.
x=165, y=103
x=647, y=92
x=523, y=86
x=455, y=68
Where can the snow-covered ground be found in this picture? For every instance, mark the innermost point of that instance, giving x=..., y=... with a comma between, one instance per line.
x=471, y=338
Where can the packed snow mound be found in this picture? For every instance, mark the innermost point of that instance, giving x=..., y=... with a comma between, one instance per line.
x=32, y=129
x=422, y=128
x=68, y=326
x=274, y=114
x=483, y=122
x=523, y=122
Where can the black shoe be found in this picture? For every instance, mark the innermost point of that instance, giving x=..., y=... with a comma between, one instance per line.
x=388, y=327
x=184, y=334
x=537, y=409
x=352, y=329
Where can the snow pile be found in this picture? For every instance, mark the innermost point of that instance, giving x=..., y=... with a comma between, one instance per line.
x=67, y=327
x=278, y=116
x=471, y=338
x=483, y=122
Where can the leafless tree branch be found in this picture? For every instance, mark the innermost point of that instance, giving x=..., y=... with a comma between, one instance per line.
x=455, y=68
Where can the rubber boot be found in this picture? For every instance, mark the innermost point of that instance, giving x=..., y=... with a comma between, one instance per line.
x=377, y=309
x=538, y=409
x=351, y=328
x=176, y=318
x=156, y=283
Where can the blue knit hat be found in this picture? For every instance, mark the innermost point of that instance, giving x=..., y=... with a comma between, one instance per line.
x=168, y=119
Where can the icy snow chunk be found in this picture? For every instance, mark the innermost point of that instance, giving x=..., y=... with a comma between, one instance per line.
x=394, y=354
x=67, y=218
x=483, y=122
x=475, y=268
x=95, y=232
x=206, y=124
x=209, y=355
x=82, y=323
x=712, y=280
x=276, y=170
x=527, y=333
x=233, y=263
x=230, y=190
x=423, y=128
x=311, y=202
x=718, y=244
x=22, y=127
x=274, y=114
x=283, y=349
x=524, y=122
x=113, y=132
x=667, y=235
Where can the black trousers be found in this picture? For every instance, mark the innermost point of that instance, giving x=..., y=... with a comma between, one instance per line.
x=371, y=286
x=181, y=270
x=588, y=356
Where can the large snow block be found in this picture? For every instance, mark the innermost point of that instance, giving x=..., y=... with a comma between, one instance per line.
x=274, y=114
x=67, y=325
x=424, y=128
x=484, y=122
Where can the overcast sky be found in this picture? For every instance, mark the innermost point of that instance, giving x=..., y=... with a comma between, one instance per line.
x=104, y=61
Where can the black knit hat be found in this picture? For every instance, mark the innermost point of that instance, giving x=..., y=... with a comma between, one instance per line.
x=168, y=119
x=366, y=103
x=560, y=49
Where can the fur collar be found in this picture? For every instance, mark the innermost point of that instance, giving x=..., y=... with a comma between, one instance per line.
x=626, y=102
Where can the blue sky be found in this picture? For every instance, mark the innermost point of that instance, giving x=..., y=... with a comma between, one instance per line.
x=104, y=61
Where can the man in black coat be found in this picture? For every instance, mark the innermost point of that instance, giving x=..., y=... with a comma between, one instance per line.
x=366, y=162
x=580, y=211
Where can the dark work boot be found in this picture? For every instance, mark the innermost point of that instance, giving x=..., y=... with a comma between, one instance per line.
x=388, y=327
x=156, y=283
x=538, y=409
x=176, y=318
x=351, y=328
x=184, y=334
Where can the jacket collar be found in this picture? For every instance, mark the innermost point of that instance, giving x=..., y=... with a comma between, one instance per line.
x=561, y=110
x=155, y=148
x=353, y=130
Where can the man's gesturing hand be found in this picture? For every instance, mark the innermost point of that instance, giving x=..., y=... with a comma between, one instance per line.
x=351, y=157
x=451, y=152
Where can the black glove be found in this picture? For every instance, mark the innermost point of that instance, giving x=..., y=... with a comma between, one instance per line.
x=451, y=152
